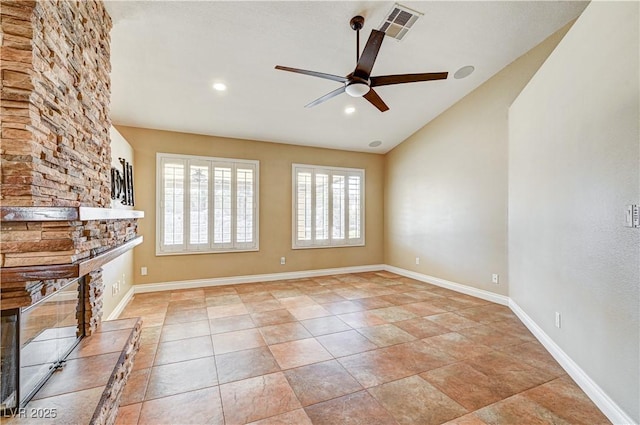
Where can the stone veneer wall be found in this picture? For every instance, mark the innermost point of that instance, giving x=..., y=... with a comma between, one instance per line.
x=55, y=151
x=55, y=142
x=55, y=103
x=55, y=146
x=24, y=244
x=60, y=242
x=93, y=288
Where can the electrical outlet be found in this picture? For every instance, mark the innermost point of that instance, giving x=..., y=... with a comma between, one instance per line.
x=417, y=260
x=283, y=261
x=143, y=271
x=495, y=278
x=558, y=320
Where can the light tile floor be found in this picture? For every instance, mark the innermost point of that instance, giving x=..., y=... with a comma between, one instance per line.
x=368, y=348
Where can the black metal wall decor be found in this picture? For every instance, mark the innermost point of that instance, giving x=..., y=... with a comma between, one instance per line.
x=122, y=183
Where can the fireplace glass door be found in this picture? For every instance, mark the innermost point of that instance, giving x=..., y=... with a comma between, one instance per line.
x=48, y=332
x=9, y=361
x=45, y=333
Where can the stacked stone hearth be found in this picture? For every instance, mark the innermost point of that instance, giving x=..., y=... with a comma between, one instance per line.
x=55, y=146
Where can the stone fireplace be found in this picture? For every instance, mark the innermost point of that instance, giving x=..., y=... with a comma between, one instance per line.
x=57, y=230
x=53, y=297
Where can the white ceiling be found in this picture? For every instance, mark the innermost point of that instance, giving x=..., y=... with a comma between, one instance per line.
x=166, y=55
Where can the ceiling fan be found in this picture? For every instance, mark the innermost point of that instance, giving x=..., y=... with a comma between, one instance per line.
x=360, y=83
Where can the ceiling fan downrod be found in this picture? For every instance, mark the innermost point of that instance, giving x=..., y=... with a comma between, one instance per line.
x=356, y=23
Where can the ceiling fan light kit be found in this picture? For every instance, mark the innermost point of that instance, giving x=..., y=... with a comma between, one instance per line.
x=357, y=89
x=360, y=83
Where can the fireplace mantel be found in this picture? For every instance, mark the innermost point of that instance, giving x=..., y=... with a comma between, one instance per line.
x=28, y=214
x=65, y=214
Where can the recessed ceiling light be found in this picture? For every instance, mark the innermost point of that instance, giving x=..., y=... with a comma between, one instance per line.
x=463, y=72
x=220, y=86
x=349, y=110
x=375, y=144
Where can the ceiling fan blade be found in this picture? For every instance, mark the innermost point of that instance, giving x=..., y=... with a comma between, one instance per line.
x=369, y=54
x=313, y=73
x=385, y=80
x=376, y=101
x=326, y=97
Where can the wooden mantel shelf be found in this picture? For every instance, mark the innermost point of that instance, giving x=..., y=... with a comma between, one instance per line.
x=65, y=271
x=66, y=214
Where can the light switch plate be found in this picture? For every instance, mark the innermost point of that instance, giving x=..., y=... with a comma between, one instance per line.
x=632, y=216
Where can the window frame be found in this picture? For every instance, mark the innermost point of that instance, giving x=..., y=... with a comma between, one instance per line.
x=330, y=242
x=211, y=247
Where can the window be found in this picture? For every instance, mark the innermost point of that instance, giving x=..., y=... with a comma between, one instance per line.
x=206, y=204
x=328, y=206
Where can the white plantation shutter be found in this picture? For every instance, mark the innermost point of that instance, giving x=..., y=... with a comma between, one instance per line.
x=222, y=207
x=244, y=206
x=322, y=207
x=303, y=206
x=328, y=207
x=354, y=191
x=338, y=208
x=198, y=205
x=207, y=204
x=173, y=205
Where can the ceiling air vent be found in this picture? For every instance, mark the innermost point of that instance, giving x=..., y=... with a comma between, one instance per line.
x=399, y=21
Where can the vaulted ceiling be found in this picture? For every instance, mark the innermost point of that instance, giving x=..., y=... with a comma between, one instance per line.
x=166, y=55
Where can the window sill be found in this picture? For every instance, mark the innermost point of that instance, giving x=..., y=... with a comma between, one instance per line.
x=328, y=246
x=226, y=251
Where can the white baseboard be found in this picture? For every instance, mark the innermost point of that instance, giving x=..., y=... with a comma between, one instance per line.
x=458, y=287
x=122, y=304
x=218, y=281
x=610, y=409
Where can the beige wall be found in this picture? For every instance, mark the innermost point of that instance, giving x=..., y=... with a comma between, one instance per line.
x=446, y=186
x=120, y=269
x=574, y=163
x=275, y=207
